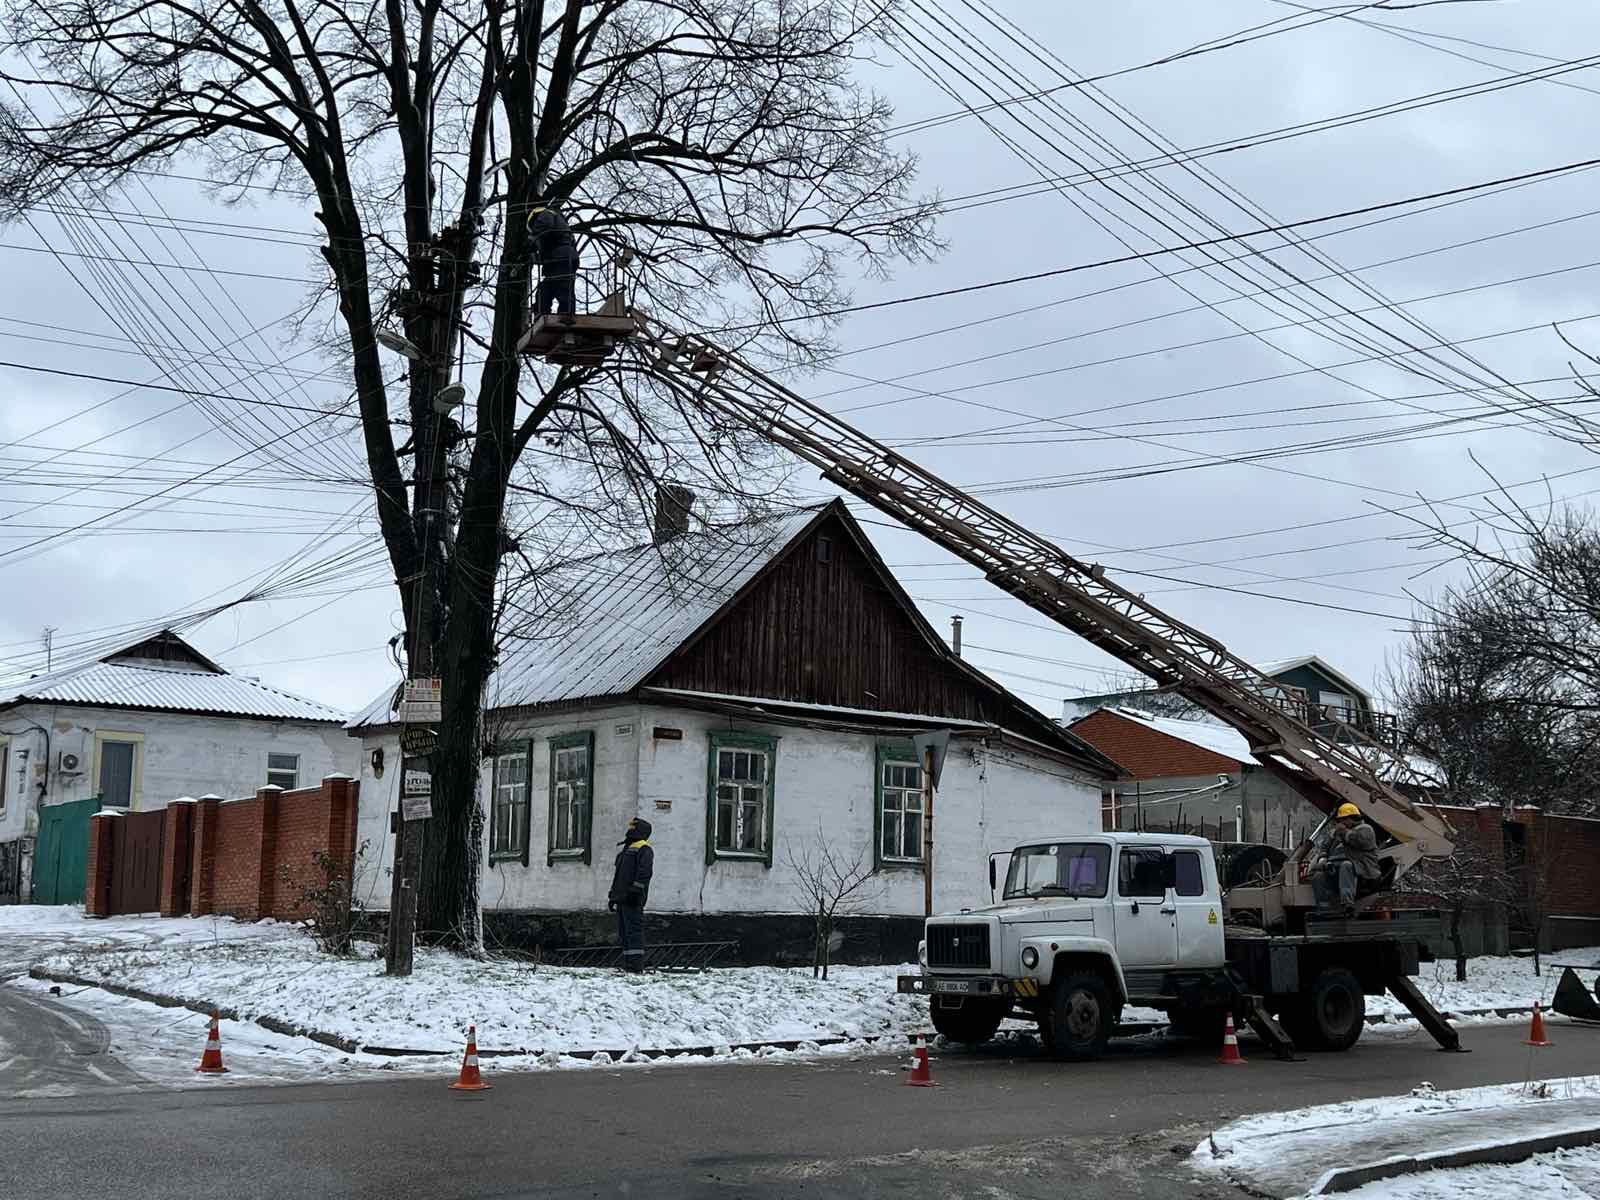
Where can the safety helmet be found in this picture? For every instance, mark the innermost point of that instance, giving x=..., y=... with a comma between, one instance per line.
x=1346, y=810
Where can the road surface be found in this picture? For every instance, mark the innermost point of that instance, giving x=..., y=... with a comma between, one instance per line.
x=997, y=1125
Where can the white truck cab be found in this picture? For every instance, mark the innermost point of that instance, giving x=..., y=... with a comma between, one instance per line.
x=1083, y=926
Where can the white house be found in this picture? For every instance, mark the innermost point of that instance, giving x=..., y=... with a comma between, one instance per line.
x=149, y=723
x=749, y=691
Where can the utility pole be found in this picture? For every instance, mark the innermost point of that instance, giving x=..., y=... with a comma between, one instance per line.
x=49, y=636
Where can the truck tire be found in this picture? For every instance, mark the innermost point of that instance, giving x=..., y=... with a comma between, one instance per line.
x=971, y=1021
x=1331, y=1015
x=1081, y=1017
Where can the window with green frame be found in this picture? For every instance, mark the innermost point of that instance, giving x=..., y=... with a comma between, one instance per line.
x=571, y=795
x=897, y=816
x=739, y=796
x=508, y=804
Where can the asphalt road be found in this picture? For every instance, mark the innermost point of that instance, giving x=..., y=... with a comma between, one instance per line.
x=998, y=1125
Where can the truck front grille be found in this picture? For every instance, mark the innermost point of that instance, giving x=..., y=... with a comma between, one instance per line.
x=958, y=946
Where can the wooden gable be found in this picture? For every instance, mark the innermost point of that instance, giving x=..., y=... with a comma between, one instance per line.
x=825, y=623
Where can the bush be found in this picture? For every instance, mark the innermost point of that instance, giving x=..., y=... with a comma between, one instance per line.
x=330, y=913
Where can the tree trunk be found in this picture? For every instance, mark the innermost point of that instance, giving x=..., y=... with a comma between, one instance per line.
x=447, y=908
x=1456, y=943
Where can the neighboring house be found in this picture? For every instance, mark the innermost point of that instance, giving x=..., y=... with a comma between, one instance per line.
x=752, y=692
x=149, y=723
x=1172, y=768
x=1326, y=698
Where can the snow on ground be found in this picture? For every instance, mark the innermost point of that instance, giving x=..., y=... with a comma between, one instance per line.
x=279, y=973
x=1561, y=1175
x=1286, y=1153
x=1492, y=982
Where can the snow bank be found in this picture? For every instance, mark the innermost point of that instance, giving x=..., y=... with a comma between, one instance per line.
x=1562, y=1175
x=1492, y=982
x=515, y=1006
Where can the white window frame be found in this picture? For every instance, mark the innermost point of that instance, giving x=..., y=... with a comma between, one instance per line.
x=908, y=811
x=5, y=771
x=512, y=841
x=1339, y=706
x=136, y=784
x=294, y=774
x=743, y=796
x=570, y=799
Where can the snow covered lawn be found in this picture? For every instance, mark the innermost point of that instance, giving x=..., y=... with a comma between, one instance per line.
x=1287, y=1153
x=275, y=971
x=1492, y=982
x=1562, y=1175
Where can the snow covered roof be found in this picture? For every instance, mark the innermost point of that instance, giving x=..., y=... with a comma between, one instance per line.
x=606, y=622
x=187, y=683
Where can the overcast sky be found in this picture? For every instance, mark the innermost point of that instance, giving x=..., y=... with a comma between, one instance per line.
x=1112, y=415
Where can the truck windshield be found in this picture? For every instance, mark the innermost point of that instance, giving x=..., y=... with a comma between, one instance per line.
x=1059, y=869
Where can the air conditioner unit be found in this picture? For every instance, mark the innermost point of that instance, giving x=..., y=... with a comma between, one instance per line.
x=68, y=763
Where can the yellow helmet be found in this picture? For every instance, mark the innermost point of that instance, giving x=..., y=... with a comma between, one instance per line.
x=1346, y=810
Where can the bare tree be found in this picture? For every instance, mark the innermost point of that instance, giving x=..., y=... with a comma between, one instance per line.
x=1474, y=879
x=725, y=143
x=829, y=883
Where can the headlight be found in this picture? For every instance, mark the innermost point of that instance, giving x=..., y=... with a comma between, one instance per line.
x=1030, y=957
x=922, y=952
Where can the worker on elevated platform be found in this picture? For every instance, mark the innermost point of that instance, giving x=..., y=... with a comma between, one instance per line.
x=556, y=252
x=1350, y=853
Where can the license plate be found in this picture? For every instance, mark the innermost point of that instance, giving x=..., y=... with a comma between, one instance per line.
x=952, y=985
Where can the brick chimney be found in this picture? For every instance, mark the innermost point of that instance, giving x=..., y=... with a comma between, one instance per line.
x=674, y=503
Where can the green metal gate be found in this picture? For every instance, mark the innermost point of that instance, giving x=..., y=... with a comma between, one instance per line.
x=61, y=855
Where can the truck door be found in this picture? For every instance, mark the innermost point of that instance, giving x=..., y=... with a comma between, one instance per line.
x=1199, y=916
x=1147, y=935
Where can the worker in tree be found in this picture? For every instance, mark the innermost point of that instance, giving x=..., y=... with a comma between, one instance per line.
x=1349, y=854
x=630, y=888
x=556, y=252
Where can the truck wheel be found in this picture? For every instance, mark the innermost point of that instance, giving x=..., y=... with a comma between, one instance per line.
x=1331, y=1015
x=1082, y=1016
x=971, y=1021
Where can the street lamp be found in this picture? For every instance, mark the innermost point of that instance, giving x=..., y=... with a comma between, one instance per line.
x=399, y=343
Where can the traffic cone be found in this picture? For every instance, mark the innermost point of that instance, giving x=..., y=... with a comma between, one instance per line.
x=211, y=1060
x=1230, y=1045
x=470, y=1080
x=1536, y=1035
x=921, y=1076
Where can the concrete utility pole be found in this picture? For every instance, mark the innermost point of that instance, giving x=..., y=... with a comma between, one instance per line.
x=49, y=636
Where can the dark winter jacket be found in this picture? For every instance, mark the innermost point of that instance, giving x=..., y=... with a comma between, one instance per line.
x=630, y=884
x=552, y=240
x=1360, y=846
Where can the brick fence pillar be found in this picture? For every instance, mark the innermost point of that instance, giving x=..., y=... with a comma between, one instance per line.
x=97, y=881
x=266, y=858
x=341, y=794
x=203, y=868
x=177, y=857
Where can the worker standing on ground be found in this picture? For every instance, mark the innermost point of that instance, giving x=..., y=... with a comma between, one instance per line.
x=556, y=252
x=630, y=888
x=1351, y=853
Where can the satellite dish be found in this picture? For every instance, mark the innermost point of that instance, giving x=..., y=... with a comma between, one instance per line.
x=397, y=342
x=451, y=395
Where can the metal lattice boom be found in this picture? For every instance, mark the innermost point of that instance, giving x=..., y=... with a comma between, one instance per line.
x=1328, y=769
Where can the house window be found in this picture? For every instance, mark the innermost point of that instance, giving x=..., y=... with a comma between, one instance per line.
x=899, y=809
x=283, y=770
x=571, y=795
x=508, y=811
x=1338, y=706
x=741, y=801
x=119, y=770
x=5, y=769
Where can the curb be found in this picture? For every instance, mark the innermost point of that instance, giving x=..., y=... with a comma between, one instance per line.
x=350, y=1046
x=1345, y=1179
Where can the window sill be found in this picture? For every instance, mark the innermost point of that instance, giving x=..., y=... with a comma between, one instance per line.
x=556, y=856
x=504, y=856
x=900, y=864
x=759, y=856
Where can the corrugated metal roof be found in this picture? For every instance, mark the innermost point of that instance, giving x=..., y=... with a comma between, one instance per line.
x=603, y=624
x=124, y=685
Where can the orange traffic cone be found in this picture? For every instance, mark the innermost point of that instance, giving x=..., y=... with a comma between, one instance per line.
x=921, y=1076
x=211, y=1060
x=1230, y=1045
x=1536, y=1035
x=470, y=1080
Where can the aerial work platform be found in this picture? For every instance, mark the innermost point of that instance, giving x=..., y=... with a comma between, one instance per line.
x=584, y=340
